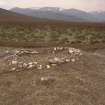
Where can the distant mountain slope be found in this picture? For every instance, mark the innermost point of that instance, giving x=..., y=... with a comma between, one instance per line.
x=81, y=14
x=99, y=15
x=62, y=14
x=48, y=13
x=8, y=16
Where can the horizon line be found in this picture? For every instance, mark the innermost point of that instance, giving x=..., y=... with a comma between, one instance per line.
x=52, y=7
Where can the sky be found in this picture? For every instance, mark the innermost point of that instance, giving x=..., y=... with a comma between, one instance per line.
x=87, y=5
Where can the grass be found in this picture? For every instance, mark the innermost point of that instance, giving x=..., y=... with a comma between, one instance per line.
x=42, y=34
x=79, y=83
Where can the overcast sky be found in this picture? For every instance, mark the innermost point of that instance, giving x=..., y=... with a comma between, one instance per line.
x=88, y=5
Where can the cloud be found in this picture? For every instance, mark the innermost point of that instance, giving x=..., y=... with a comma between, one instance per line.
x=2, y=2
x=78, y=4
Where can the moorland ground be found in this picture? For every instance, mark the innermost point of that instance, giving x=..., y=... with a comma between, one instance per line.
x=77, y=80
x=51, y=34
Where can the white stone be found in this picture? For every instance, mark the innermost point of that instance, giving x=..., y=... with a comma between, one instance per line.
x=30, y=63
x=20, y=66
x=35, y=63
x=39, y=67
x=72, y=60
x=30, y=66
x=48, y=66
x=67, y=60
x=56, y=59
x=55, y=48
x=71, y=51
x=35, y=52
x=60, y=48
x=24, y=65
x=7, y=51
x=43, y=78
x=17, y=51
x=13, y=69
x=14, y=62
x=53, y=64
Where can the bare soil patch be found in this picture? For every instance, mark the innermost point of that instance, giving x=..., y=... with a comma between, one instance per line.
x=76, y=82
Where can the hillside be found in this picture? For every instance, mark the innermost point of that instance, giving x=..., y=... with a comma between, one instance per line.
x=100, y=15
x=56, y=13
x=48, y=13
x=81, y=14
x=8, y=16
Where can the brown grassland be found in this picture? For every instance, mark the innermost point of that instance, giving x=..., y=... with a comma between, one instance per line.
x=34, y=34
x=52, y=63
